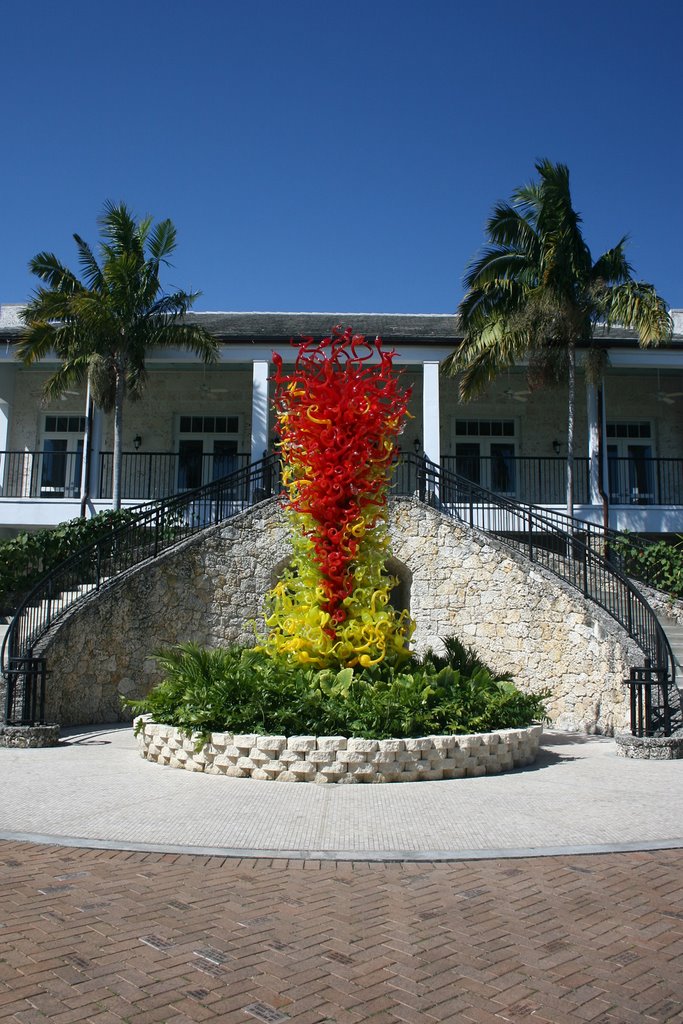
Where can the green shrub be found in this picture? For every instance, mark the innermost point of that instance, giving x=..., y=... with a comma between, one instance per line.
x=26, y=558
x=659, y=564
x=237, y=690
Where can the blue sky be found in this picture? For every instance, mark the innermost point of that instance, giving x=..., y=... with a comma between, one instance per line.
x=341, y=157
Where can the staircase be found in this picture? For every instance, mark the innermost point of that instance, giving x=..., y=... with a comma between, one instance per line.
x=569, y=548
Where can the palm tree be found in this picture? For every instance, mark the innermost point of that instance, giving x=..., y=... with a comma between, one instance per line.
x=103, y=326
x=534, y=292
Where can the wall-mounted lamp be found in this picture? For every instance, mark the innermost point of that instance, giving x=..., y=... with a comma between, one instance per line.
x=417, y=444
x=556, y=447
x=137, y=441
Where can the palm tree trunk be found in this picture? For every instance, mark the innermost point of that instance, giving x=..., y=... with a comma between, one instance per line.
x=118, y=436
x=571, y=409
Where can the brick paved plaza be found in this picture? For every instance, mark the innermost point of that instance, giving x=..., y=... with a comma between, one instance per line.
x=108, y=937
x=421, y=902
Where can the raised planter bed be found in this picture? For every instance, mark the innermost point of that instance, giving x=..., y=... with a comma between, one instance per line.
x=338, y=759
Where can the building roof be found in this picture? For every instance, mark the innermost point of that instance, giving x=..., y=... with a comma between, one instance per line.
x=433, y=328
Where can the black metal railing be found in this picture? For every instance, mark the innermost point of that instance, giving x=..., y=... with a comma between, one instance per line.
x=153, y=529
x=650, y=714
x=539, y=480
x=45, y=474
x=150, y=476
x=147, y=476
x=573, y=550
x=25, y=691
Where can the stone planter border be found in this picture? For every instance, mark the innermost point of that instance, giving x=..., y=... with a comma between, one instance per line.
x=650, y=748
x=29, y=736
x=338, y=759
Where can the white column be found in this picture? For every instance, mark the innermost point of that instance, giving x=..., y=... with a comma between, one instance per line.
x=593, y=442
x=431, y=424
x=96, y=443
x=259, y=409
x=4, y=434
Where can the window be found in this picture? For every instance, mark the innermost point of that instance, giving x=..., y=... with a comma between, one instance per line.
x=485, y=457
x=629, y=462
x=62, y=453
x=207, y=449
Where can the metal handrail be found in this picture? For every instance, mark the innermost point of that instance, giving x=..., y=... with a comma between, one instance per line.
x=566, y=546
x=152, y=529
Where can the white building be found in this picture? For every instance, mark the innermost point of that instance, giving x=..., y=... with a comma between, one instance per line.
x=196, y=423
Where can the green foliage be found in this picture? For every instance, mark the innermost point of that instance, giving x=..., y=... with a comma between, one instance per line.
x=26, y=558
x=660, y=564
x=239, y=690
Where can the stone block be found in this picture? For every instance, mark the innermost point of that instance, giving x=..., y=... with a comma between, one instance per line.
x=391, y=746
x=259, y=757
x=274, y=744
x=333, y=770
x=302, y=744
x=258, y=773
x=320, y=779
x=443, y=743
x=347, y=779
x=362, y=746
x=246, y=764
x=454, y=773
x=224, y=760
x=288, y=777
x=475, y=771
x=233, y=772
x=288, y=755
x=350, y=757
x=407, y=756
x=273, y=767
x=332, y=742
x=318, y=757
x=304, y=768
x=221, y=740
x=420, y=743
x=245, y=741
x=409, y=776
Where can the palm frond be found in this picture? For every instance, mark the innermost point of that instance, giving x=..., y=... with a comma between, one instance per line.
x=92, y=272
x=636, y=304
x=49, y=269
x=162, y=241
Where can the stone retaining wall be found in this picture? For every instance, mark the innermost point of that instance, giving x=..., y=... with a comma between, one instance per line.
x=325, y=759
x=518, y=617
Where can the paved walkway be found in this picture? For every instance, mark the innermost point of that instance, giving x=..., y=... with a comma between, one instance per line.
x=579, y=797
x=112, y=936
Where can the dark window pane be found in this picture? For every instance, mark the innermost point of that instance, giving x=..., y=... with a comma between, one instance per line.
x=233, y=425
x=484, y=428
x=189, y=464
x=197, y=425
x=209, y=424
x=220, y=424
x=508, y=428
x=496, y=428
x=460, y=427
x=472, y=427
x=467, y=461
x=50, y=424
x=185, y=424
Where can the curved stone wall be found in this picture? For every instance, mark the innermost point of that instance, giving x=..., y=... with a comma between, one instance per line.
x=519, y=618
x=337, y=759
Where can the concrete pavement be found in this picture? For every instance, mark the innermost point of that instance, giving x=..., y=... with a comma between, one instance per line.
x=95, y=790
